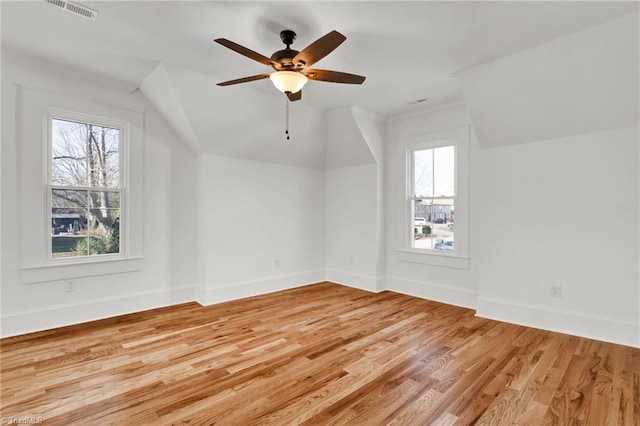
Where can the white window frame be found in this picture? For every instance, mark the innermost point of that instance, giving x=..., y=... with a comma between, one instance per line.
x=123, y=155
x=36, y=107
x=459, y=257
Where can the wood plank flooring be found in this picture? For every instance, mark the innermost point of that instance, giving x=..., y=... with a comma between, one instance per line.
x=322, y=354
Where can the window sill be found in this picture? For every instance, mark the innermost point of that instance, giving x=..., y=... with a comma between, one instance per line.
x=448, y=260
x=65, y=271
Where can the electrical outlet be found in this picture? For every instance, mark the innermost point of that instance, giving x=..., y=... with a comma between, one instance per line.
x=276, y=264
x=556, y=290
x=70, y=285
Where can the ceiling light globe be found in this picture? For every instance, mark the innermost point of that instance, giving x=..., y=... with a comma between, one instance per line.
x=288, y=81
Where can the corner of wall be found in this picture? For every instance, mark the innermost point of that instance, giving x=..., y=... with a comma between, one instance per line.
x=210, y=295
x=363, y=282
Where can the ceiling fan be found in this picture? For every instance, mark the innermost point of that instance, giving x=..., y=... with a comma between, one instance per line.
x=291, y=72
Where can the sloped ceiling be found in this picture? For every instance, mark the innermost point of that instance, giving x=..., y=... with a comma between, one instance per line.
x=240, y=123
x=585, y=82
x=346, y=145
x=408, y=51
x=159, y=89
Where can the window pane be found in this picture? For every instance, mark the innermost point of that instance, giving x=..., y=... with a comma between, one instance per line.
x=423, y=173
x=68, y=231
x=421, y=226
x=85, y=223
x=103, y=157
x=444, y=171
x=104, y=231
x=69, y=153
x=104, y=222
x=104, y=199
x=65, y=199
x=84, y=154
x=433, y=224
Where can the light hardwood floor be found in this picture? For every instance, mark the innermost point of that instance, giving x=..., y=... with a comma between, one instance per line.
x=322, y=354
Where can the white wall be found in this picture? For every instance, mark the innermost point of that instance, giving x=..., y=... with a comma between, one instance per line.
x=373, y=130
x=352, y=226
x=555, y=192
x=562, y=212
x=251, y=215
x=354, y=199
x=168, y=274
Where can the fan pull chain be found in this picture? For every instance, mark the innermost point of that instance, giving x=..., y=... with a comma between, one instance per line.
x=286, y=131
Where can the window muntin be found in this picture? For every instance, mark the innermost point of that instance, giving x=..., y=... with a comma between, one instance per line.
x=85, y=187
x=432, y=197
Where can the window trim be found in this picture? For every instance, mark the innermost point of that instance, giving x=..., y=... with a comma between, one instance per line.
x=123, y=156
x=34, y=105
x=459, y=258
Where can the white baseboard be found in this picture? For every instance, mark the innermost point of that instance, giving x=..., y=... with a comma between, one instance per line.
x=362, y=282
x=16, y=323
x=577, y=324
x=431, y=291
x=240, y=290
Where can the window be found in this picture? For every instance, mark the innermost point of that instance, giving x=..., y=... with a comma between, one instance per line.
x=85, y=187
x=434, y=227
x=433, y=197
x=80, y=176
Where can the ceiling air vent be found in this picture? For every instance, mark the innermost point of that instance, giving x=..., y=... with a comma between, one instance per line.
x=75, y=8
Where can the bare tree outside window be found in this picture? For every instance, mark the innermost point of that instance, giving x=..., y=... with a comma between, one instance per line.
x=85, y=189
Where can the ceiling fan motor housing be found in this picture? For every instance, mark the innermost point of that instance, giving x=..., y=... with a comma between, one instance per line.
x=288, y=37
x=285, y=56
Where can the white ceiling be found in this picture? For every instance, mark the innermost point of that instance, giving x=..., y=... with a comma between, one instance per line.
x=407, y=50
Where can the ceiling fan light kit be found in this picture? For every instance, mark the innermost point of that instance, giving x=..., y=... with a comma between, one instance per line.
x=288, y=81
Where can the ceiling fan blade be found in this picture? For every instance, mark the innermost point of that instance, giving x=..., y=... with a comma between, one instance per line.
x=244, y=79
x=334, y=76
x=245, y=51
x=294, y=96
x=318, y=49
